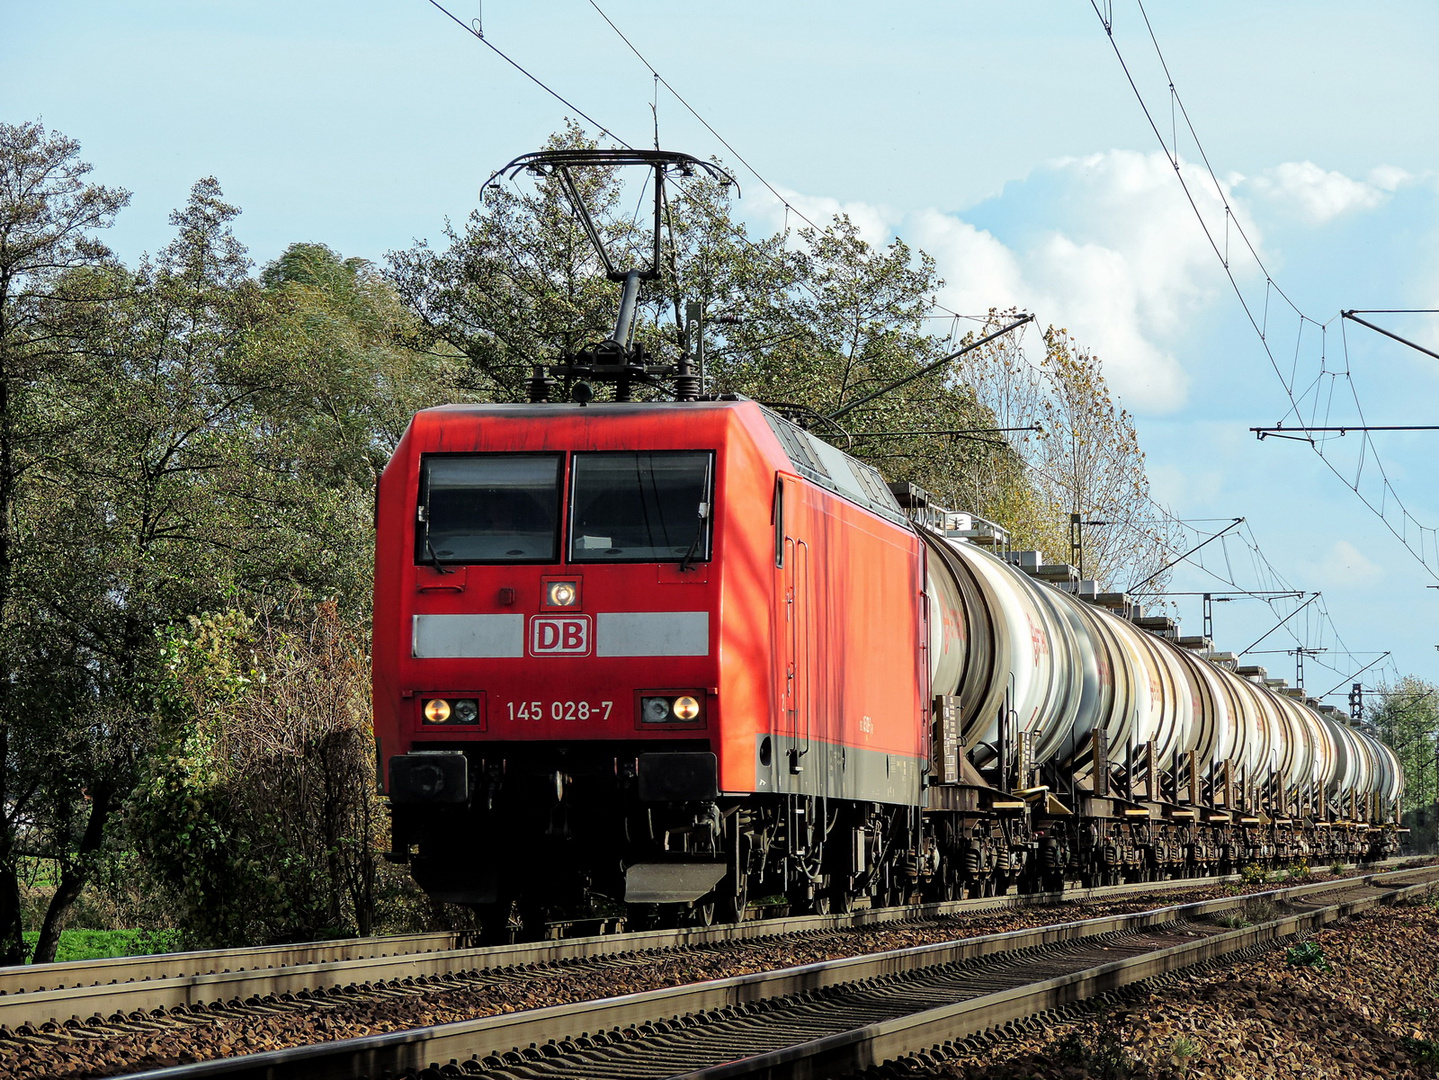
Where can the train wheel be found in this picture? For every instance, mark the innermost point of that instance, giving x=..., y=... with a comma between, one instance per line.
x=733, y=892
x=949, y=886
x=702, y=913
x=733, y=905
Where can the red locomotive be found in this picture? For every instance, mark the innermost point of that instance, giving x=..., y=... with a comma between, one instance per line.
x=602, y=660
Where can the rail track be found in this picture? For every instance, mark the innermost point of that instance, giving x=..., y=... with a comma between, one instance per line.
x=124, y=988
x=831, y=1017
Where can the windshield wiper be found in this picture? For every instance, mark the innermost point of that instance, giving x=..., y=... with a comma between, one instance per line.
x=699, y=535
x=434, y=557
x=424, y=516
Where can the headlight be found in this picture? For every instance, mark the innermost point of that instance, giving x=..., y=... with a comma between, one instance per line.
x=452, y=711
x=682, y=709
x=562, y=594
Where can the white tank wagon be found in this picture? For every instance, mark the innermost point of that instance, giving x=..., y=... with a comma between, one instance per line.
x=1130, y=754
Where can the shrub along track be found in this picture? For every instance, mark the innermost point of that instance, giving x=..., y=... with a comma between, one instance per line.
x=259, y=1023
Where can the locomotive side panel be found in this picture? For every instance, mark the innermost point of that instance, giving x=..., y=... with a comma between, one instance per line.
x=849, y=669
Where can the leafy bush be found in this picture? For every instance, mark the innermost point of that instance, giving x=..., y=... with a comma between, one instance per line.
x=1308, y=954
x=1423, y=1051
x=1106, y=1058
x=1253, y=874
x=259, y=816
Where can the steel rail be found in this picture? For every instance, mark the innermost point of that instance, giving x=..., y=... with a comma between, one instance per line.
x=36, y=994
x=495, y=1041
x=938, y=1030
x=35, y=978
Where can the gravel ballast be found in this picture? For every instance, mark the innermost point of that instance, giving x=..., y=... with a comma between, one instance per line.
x=1373, y=1013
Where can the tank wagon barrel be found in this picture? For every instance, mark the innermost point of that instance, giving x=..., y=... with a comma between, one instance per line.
x=1077, y=670
x=1168, y=754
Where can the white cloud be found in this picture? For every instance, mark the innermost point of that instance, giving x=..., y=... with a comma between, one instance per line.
x=1124, y=265
x=1130, y=268
x=876, y=223
x=1319, y=195
x=1344, y=566
x=1389, y=177
x=1132, y=204
x=979, y=271
x=1113, y=296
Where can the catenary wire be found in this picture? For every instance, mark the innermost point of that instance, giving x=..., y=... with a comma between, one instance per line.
x=947, y=313
x=1378, y=504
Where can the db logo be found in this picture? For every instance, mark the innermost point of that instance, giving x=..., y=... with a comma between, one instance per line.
x=567, y=636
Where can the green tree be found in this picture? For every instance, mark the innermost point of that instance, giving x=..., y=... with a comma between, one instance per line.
x=347, y=367
x=256, y=811
x=520, y=283
x=54, y=272
x=1084, y=459
x=254, y=807
x=150, y=510
x=813, y=321
x=177, y=438
x=1406, y=718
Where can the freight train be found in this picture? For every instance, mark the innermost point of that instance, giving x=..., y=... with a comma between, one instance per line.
x=677, y=657
x=683, y=659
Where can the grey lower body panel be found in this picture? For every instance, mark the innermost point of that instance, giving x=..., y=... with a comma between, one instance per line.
x=785, y=765
x=671, y=883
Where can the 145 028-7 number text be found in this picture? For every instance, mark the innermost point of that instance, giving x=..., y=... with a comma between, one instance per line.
x=560, y=710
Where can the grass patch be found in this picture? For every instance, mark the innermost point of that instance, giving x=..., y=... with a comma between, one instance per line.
x=102, y=944
x=1252, y=913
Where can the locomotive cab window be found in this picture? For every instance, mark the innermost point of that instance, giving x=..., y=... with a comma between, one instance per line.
x=488, y=508
x=641, y=507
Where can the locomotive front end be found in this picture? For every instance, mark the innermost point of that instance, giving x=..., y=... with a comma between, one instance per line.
x=546, y=677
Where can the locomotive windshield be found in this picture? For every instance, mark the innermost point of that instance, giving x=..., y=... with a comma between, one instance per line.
x=483, y=508
x=641, y=507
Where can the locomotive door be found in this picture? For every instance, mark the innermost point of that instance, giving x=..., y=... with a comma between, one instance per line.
x=797, y=693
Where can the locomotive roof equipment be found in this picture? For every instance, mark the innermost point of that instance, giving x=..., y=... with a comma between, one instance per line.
x=617, y=359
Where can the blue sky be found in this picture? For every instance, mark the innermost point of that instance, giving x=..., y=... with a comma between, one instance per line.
x=1003, y=139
